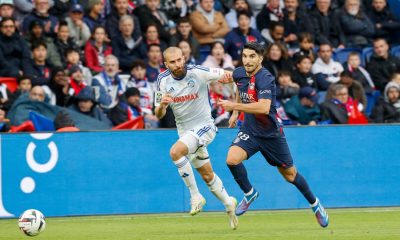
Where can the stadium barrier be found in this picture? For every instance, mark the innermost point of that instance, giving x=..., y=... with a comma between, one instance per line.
x=88, y=173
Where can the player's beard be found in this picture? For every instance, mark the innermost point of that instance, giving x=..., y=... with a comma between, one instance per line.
x=179, y=73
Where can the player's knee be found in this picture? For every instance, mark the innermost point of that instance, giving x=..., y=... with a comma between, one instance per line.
x=207, y=177
x=232, y=161
x=175, y=154
x=289, y=177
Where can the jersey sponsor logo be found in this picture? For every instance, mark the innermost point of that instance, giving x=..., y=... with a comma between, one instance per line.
x=247, y=98
x=189, y=97
x=265, y=91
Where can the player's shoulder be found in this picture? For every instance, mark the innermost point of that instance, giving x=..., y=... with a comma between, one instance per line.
x=163, y=76
x=263, y=74
x=197, y=68
x=239, y=73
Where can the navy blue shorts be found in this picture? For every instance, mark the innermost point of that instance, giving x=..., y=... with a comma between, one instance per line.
x=275, y=150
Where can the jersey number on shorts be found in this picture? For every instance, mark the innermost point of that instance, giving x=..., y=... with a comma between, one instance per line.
x=243, y=136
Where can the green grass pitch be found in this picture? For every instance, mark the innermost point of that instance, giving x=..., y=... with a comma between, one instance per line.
x=356, y=223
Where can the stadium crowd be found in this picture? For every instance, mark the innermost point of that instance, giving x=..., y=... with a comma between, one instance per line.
x=94, y=64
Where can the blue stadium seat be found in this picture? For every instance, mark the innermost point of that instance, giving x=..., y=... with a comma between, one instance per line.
x=342, y=54
x=204, y=52
x=366, y=54
x=372, y=99
x=395, y=50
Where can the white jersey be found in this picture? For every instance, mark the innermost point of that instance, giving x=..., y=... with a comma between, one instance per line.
x=190, y=94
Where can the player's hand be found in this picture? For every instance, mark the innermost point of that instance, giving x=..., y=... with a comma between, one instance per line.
x=166, y=100
x=233, y=119
x=226, y=78
x=225, y=104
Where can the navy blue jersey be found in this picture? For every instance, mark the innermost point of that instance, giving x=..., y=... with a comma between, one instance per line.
x=260, y=86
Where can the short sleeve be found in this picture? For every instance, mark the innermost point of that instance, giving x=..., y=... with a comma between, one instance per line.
x=209, y=74
x=161, y=84
x=265, y=85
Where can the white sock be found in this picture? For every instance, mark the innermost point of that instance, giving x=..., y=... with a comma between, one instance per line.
x=217, y=188
x=186, y=172
x=314, y=204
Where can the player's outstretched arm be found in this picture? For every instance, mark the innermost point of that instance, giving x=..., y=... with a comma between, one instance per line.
x=261, y=107
x=161, y=110
x=227, y=77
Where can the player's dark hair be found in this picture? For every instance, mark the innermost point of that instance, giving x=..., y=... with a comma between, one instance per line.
x=257, y=47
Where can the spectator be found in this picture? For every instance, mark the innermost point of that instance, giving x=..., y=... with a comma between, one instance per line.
x=208, y=25
x=139, y=80
x=287, y=88
x=40, y=68
x=218, y=58
x=176, y=9
x=388, y=108
x=295, y=21
x=35, y=34
x=354, y=88
x=240, y=6
x=74, y=58
x=325, y=65
x=108, y=85
x=37, y=94
x=25, y=7
x=275, y=33
x=96, y=49
x=128, y=107
x=355, y=24
x=359, y=73
x=326, y=28
x=79, y=30
x=276, y=59
x=306, y=44
x=64, y=41
x=7, y=11
x=149, y=13
x=271, y=12
x=121, y=8
x=41, y=13
x=64, y=123
x=303, y=76
x=24, y=86
x=235, y=39
x=152, y=37
x=185, y=33
x=94, y=16
x=76, y=80
x=4, y=126
x=382, y=65
x=154, y=64
x=59, y=91
x=339, y=108
x=15, y=57
x=386, y=24
x=126, y=46
x=85, y=103
x=187, y=52
x=303, y=108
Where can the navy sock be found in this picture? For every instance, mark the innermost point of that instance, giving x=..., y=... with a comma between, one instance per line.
x=240, y=174
x=301, y=184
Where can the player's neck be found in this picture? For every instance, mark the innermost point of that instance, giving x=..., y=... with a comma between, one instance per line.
x=250, y=74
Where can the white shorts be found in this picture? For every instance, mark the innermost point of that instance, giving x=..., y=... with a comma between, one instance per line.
x=197, y=140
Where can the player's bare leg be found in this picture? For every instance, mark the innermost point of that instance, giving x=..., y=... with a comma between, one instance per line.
x=236, y=156
x=217, y=188
x=291, y=175
x=178, y=154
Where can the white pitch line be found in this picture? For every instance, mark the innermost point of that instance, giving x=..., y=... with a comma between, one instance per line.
x=213, y=214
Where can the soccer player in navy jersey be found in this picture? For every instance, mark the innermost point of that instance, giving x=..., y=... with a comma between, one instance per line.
x=261, y=131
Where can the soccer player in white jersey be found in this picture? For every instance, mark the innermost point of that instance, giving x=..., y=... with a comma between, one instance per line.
x=184, y=88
